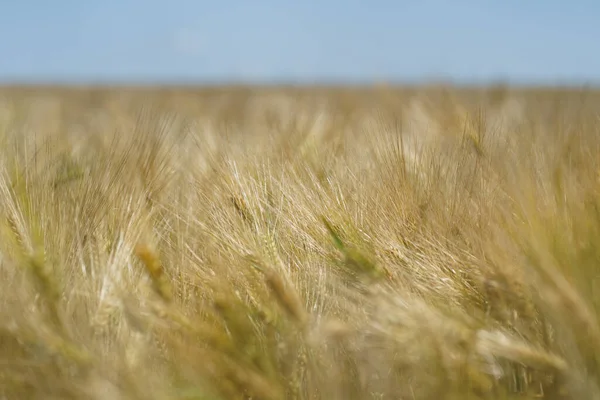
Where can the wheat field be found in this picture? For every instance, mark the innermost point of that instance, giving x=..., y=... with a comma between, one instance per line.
x=299, y=243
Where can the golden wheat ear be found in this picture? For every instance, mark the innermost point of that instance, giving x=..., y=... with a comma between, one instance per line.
x=155, y=270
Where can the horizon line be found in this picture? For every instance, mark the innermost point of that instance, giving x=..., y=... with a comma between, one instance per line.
x=299, y=83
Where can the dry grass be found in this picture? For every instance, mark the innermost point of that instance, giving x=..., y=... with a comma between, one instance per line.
x=427, y=243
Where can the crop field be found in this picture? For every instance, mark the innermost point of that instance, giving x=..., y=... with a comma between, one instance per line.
x=431, y=242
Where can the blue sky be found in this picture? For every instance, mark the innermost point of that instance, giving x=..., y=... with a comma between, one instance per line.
x=299, y=41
